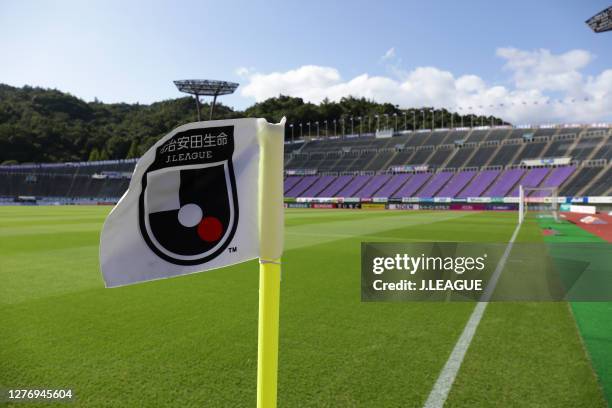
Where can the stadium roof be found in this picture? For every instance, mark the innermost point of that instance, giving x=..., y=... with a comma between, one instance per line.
x=205, y=87
x=601, y=21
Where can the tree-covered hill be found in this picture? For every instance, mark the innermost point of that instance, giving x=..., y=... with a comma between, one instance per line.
x=47, y=125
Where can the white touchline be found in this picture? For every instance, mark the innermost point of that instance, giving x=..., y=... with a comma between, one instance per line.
x=439, y=393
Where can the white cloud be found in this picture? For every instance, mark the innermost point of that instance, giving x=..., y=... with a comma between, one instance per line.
x=389, y=54
x=543, y=70
x=242, y=71
x=533, y=75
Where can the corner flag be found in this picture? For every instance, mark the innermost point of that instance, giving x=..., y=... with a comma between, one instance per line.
x=205, y=196
x=194, y=203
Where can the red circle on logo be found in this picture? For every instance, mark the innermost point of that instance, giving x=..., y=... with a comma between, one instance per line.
x=210, y=229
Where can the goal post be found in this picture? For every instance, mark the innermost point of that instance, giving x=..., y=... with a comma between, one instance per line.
x=539, y=201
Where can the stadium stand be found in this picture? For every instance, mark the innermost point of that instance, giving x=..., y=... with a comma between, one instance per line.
x=335, y=187
x=556, y=177
x=439, y=157
x=531, y=150
x=497, y=135
x=456, y=184
x=532, y=178
x=301, y=186
x=318, y=186
x=506, y=181
x=482, y=155
x=411, y=186
x=353, y=186
x=457, y=135
x=373, y=185
x=393, y=185
x=504, y=155
x=460, y=157
x=602, y=185
x=584, y=176
x=478, y=184
x=435, y=184
x=478, y=136
x=457, y=164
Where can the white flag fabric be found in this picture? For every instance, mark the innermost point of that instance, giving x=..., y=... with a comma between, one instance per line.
x=193, y=203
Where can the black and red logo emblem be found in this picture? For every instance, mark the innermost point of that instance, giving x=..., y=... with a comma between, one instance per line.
x=188, y=206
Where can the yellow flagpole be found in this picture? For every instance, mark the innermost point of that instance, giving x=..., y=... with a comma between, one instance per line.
x=271, y=224
x=267, y=353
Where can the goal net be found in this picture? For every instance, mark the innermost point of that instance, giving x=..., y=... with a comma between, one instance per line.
x=538, y=202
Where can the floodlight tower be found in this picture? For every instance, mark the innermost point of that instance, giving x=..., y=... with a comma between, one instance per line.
x=601, y=21
x=205, y=87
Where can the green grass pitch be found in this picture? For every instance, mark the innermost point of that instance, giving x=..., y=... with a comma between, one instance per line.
x=192, y=341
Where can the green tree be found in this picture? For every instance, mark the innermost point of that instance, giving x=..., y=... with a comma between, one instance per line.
x=133, y=152
x=94, y=155
x=46, y=125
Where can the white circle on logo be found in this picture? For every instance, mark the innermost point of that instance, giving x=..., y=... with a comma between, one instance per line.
x=190, y=215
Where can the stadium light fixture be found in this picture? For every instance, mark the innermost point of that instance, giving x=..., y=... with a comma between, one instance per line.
x=423, y=112
x=291, y=126
x=601, y=21
x=205, y=87
x=433, y=116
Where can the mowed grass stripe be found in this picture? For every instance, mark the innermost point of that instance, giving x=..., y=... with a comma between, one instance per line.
x=594, y=319
x=192, y=340
x=526, y=354
x=50, y=229
x=74, y=251
x=37, y=274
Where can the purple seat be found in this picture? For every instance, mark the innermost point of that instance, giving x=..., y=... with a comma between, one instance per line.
x=555, y=179
x=373, y=186
x=354, y=186
x=479, y=183
x=338, y=184
x=455, y=184
x=412, y=185
x=504, y=183
x=393, y=185
x=318, y=186
x=533, y=178
x=290, y=182
x=301, y=186
x=435, y=184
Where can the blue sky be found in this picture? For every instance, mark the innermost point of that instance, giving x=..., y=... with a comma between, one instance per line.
x=130, y=51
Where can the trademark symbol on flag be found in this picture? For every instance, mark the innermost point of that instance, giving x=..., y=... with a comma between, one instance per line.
x=232, y=249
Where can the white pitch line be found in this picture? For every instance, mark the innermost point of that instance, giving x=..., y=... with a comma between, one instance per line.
x=439, y=393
